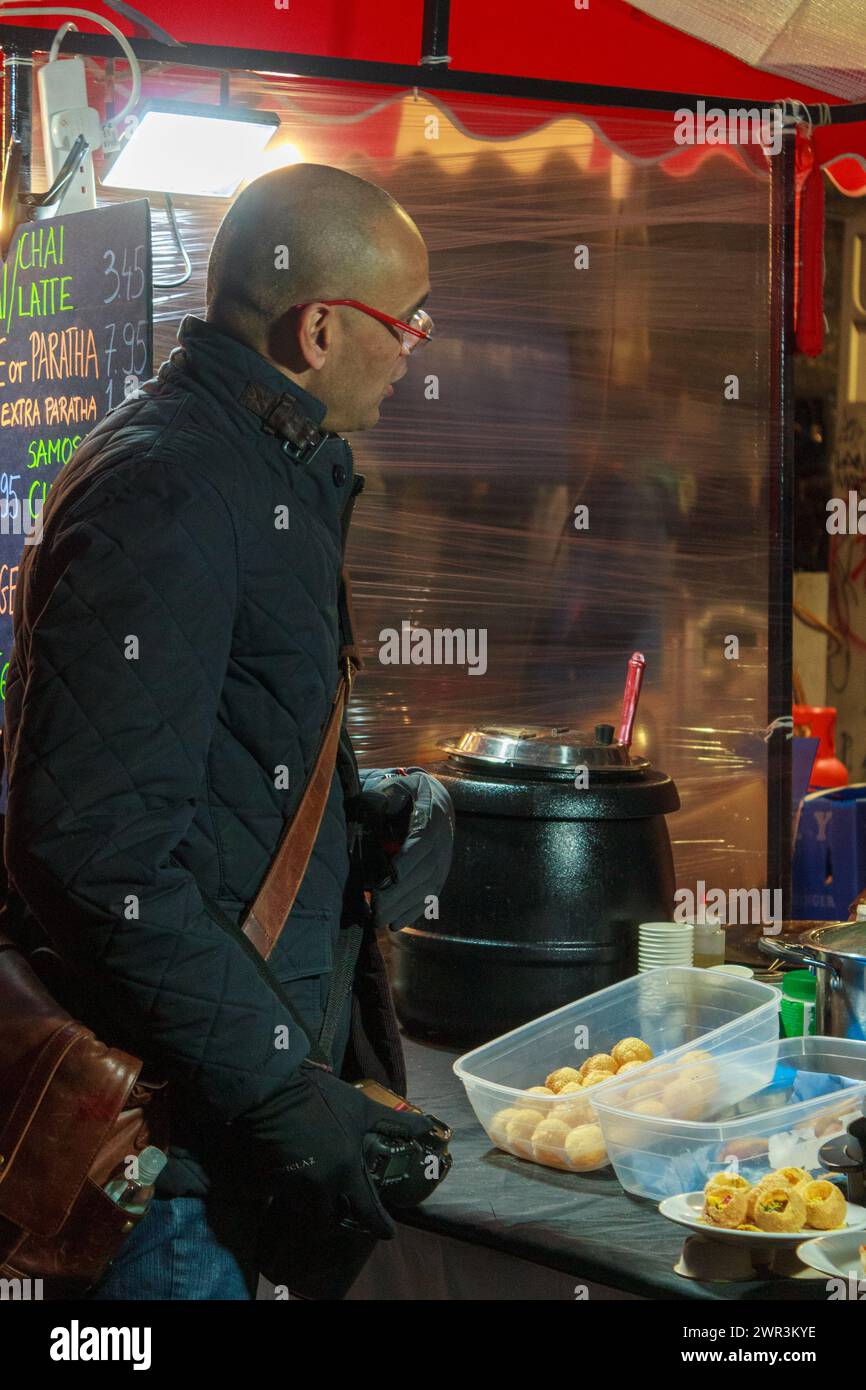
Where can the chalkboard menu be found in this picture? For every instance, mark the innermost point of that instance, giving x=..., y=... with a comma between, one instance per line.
x=76, y=320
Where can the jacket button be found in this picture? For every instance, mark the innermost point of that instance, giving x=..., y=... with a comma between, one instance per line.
x=338, y=473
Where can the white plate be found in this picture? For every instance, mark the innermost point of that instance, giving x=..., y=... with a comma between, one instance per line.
x=665, y=929
x=666, y=926
x=668, y=948
x=837, y=1253
x=671, y=934
x=686, y=1210
x=671, y=956
x=683, y=944
x=674, y=939
x=663, y=960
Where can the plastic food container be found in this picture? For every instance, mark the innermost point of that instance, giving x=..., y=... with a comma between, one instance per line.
x=671, y=1009
x=755, y=1110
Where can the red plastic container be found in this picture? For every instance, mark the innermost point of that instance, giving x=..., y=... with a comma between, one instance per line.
x=819, y=721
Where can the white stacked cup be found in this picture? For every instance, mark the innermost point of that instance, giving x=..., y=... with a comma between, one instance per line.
x=664, y=943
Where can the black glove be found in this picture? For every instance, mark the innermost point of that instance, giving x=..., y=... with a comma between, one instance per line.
x=326, y=1216
x=311, y=1138
x=420, y=867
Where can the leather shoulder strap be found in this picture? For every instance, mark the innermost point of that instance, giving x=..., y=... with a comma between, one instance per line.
x=275, y=898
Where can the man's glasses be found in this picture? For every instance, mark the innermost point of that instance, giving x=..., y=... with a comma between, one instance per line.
x=419, y=329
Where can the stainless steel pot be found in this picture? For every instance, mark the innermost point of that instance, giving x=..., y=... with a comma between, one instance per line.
x=836, y=951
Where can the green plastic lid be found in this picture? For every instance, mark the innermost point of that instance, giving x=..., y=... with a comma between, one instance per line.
x=799, y=985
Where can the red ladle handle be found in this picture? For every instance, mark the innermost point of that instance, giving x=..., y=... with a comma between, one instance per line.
x=633, y=682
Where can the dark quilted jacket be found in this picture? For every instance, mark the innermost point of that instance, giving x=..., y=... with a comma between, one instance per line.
x=176, y=653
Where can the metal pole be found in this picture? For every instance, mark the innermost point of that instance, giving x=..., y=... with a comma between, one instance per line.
x=17, y=105
x=444, y=79
x=434, y=37
x=781, y=483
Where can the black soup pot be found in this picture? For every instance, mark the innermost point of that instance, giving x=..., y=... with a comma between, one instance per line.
x=561, y=849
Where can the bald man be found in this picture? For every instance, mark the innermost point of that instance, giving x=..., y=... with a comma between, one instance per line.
x=333, y=236
x=178, y=637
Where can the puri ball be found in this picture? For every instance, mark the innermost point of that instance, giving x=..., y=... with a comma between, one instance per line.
x=650, y=1107
x=725, y=1207
x=498, y=1127
x=629, y=1066
x=537, y=1102
x=779, y=1210
x=548, y=1143
x=684, y=1099
x=781, y=1177
x=520, y=1130
x=584, y=1147
x=578, y=1112
x=595, y=1078
x=826, y=1208
x=734, y=1181
x=631, y=1050
x=650, y=1088
x=701, y=1074
x=600, y=1061
x=560, y=1078
x=792, y=1177
x=575, y=1114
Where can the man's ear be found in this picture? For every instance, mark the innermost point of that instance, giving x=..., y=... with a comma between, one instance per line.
x=293, y=345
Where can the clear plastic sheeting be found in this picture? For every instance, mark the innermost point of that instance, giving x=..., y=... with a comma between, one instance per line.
x=601, y=343
x=819, y=42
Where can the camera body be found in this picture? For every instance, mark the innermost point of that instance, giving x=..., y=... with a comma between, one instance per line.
x=405, y=1171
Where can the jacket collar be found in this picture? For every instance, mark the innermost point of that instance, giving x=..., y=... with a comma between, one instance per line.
x=234, y=371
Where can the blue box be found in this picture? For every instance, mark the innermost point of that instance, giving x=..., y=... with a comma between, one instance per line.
x=829, y=868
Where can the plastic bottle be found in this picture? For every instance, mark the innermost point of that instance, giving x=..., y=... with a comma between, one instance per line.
x=819, y=721
x=126, y=1192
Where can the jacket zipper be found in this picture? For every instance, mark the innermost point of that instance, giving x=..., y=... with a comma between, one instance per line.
x=345, y=744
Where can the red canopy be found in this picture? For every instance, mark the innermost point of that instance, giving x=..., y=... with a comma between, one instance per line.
x=608, y=43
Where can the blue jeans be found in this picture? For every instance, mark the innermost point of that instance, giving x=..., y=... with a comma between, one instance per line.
x=187, y=1248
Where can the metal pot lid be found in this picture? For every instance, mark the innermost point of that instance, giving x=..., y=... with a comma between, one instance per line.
x=551, y=748
x=839, y=939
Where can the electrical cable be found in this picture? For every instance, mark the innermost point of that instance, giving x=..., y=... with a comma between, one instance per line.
x=21, y=11
x=172, y=222
x=64, y=29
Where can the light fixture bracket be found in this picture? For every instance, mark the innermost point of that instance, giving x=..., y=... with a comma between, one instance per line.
x=66, y=116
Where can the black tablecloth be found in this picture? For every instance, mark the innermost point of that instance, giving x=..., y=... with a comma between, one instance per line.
x=583, y=1225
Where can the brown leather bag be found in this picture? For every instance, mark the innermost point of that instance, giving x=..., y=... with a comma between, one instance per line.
x=73, y=1111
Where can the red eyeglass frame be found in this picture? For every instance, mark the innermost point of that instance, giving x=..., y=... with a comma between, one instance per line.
x=374, y=313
